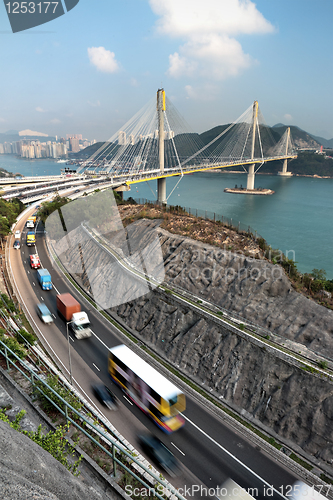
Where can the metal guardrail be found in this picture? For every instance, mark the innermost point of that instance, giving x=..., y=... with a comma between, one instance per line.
x=116, y=448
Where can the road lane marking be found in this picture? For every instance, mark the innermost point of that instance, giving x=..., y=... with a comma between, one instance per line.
x=41, y=298
x=96, y=367
x=33, y=283
x=232, y=456
x=180, y=451
x=100, y=340
x=71, y=339
x=53, y=315
x=128, y=401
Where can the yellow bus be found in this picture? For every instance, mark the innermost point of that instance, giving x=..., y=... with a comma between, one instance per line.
x=147, y=388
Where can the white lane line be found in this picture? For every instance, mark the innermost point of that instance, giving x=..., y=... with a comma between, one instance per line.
x=96, y=367
x=42, y=299
x=94, y=334
x=33, y=283
x=56, y=289
x=128, y=401
x=180, y=451
x=232, y=456
x=53, y=315
x=71, y=339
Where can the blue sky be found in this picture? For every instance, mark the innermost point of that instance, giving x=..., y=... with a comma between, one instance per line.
x=92, y=69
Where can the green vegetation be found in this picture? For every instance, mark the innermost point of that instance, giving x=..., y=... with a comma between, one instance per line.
x=315, y=283
x=48, y=207
x=13, y=345
x=8, y=303
x=43, y=393
x=9, y=211
x=326, y=479
x=53, y=442
x=23, y=336
x=306, y=163
x=300, y=461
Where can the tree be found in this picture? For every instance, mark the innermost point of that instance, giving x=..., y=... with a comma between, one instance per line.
x=318, y=274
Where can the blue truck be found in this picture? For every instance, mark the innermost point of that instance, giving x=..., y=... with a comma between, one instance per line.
x=44, y=279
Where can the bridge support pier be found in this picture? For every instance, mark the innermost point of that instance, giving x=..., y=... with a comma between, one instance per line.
x=250, y=177
x=161, y=191
x=285, y=172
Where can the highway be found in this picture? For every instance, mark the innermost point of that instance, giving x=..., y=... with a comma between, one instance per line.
x=205, y=445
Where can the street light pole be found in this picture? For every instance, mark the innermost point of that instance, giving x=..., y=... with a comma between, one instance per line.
x=69, y=353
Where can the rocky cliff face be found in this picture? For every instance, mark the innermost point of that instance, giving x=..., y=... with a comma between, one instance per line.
x=292, y=402
x=295, y=404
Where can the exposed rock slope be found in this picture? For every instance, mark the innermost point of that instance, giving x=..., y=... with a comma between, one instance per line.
x=295, y=404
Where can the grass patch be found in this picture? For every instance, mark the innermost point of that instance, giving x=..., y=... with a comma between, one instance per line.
x=301, y=462
x=326, y=479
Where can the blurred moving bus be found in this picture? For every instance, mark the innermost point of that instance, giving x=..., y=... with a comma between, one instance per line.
x=147, y=388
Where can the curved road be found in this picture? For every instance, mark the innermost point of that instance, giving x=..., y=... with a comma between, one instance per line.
x=200, y=445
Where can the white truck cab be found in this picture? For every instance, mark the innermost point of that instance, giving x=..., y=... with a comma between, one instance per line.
x=80, y=325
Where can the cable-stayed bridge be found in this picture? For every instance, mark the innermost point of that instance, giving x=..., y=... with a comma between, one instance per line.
x=156, y=143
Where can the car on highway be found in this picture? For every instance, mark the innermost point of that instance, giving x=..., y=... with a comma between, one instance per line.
x=160, y=454
x=34, y=261
x=44, y=314
x=17, y=244
x=105, y=396
x=17, y=234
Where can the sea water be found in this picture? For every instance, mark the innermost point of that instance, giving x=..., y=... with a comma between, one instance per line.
x=297, y=219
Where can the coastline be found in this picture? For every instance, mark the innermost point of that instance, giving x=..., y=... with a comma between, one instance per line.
x=224, y=171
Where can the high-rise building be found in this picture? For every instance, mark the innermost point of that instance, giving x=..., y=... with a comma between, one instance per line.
x=131, y=139
x=74, y=145
x=121, y=138
x=7, y=147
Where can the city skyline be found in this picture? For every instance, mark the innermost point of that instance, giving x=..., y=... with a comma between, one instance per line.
x=94, y=68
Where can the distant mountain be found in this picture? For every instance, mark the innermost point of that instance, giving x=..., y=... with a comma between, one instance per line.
x=14, y=137
x=188, y=143
x=299, y=133
x=327, y=143
x=300, y=138
x=11, y=132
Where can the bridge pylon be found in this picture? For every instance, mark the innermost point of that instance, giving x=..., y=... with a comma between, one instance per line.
x=251, y=174
x=285, y=172
x=161, y=183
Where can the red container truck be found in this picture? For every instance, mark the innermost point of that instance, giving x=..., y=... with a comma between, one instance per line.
x=70, y=309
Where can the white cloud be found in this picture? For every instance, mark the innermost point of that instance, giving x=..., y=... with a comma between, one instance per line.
x=32, y=132
x=55, y=120
x=208, y=31
x=213, y=57
x=288, y=117
x=41, y=110
x=103, y=59
x=2, y=120
x=94, y=104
